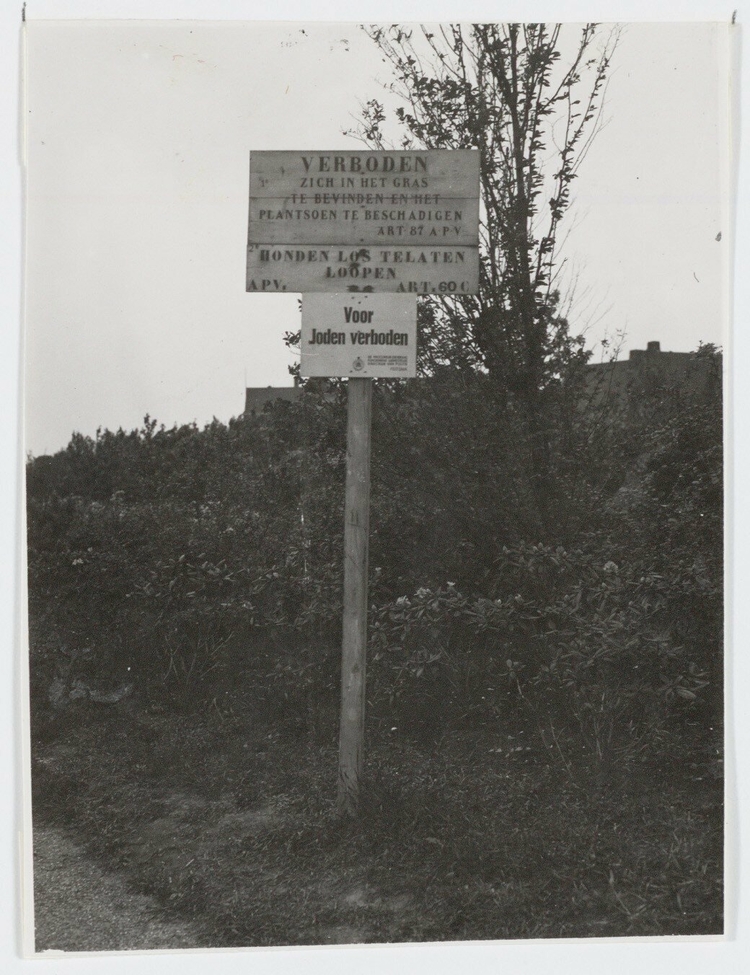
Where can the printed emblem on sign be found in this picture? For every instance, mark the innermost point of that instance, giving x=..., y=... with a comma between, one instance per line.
x=358, y=364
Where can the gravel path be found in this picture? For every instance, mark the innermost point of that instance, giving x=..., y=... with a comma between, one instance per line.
x=81, y=907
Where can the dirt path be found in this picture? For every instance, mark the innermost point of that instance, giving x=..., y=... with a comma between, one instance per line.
x=81, y=907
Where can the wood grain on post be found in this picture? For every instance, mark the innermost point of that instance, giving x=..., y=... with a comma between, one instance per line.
x=354, y=642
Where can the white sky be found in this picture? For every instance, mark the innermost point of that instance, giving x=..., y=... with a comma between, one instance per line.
x=137, y=154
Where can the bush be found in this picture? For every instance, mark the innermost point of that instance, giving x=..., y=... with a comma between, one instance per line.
x=177, y=552
x=585, y=647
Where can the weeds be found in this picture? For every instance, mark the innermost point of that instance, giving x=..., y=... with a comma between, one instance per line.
x=233, y=821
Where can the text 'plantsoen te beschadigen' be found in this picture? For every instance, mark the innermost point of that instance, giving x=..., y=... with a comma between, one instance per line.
x=374, y=202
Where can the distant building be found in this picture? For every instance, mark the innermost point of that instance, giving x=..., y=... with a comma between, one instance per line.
x=256, y=397
x=619, y=380
x=632, y=382
x=604, y=381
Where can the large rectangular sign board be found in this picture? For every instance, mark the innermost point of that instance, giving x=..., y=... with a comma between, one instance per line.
x=366, y=335
x=403, y=221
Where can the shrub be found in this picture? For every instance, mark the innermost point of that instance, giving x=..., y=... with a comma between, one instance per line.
x=584, y=646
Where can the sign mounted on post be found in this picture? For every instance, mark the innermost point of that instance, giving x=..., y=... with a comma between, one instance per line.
x=404, y=221
x=348, y=224
x=366, y=335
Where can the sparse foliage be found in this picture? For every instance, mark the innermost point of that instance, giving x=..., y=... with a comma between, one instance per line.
x=529, y=98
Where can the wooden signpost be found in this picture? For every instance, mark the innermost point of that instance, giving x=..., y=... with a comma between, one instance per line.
x=354, y=635
x=403, y=222
x=359, y=336
x=353, y=224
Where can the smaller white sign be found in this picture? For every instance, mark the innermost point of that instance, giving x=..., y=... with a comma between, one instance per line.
x=359, y=334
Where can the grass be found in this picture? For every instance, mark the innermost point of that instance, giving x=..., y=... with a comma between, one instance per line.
x=229, y=818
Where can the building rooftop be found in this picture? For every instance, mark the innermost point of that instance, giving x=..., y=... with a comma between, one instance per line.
x=617, y=379
x=257, y=397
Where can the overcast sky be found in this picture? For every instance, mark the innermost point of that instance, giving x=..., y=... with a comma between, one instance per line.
x=137, y=161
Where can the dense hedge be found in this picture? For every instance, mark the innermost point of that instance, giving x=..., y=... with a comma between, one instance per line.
x=591, y=601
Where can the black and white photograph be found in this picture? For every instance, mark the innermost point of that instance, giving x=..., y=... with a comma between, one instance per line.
x=374, y=409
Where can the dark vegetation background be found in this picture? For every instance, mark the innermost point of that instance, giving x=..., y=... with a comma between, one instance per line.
x=542, y=652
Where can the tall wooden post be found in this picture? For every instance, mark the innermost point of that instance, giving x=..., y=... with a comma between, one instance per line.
x=354, y=642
